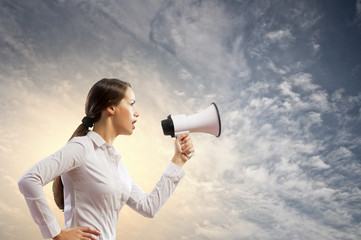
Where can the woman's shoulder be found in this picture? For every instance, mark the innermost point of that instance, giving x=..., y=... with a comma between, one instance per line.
x=83, y=140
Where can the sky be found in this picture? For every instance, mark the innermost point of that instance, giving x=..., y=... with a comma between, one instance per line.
x=285, y=75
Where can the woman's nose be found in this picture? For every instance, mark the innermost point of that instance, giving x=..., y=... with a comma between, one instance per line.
x=136, y=114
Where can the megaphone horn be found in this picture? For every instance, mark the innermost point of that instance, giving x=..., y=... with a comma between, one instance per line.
x=206, y=121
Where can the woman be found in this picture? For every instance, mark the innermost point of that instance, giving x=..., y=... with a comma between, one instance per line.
x=94, y=183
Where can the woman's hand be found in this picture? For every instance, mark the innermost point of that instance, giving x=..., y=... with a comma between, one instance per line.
x=78, y=233
x=183, y=149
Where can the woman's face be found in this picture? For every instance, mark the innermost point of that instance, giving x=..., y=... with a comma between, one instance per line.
x=125, y=115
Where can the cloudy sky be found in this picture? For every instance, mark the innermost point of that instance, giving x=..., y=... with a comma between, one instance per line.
x=286, y=76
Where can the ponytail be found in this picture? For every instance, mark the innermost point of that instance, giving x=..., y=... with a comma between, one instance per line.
x=103, y=94
x=58, y=187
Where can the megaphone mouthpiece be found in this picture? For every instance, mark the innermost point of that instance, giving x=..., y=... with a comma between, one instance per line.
x=168, y=126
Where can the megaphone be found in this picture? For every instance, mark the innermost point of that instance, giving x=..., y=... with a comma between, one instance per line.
x=206, y=121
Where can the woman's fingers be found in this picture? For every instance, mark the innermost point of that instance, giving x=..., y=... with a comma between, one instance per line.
x=183, y=149
x=88, y=233
x=88, y=236
x=82, y=233
x=184, y=138
x=90, y=230
x=187, y=145
x=187, y=148
x=91, y=237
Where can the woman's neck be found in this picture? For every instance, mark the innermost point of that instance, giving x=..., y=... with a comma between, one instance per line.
x=105, y=131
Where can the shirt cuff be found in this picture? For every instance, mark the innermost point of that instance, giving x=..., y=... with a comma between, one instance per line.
x=174, y=172
x=50, y=230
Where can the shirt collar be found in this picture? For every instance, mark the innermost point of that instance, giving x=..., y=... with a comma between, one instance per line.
x=97, y=139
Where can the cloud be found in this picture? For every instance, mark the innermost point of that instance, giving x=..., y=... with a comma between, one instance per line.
x=280, y=71
x=282, y=36
x=304, y=80
x=358, y=10
x=183, y=30
x=287, y=154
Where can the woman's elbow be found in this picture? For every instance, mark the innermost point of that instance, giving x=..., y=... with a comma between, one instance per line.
x=27, y=184
x=150, y=215
x=22, y=185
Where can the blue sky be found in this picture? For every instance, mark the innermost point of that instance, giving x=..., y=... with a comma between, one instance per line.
x=284, y=74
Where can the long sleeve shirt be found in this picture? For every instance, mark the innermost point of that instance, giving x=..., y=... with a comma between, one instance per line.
x=96, y=186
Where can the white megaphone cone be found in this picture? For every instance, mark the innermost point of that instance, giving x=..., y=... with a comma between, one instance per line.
x=206, y=121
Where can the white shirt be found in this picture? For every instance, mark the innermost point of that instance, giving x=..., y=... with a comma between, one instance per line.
x=96, y=187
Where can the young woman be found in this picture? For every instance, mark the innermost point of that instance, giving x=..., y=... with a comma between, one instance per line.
x=91, y=183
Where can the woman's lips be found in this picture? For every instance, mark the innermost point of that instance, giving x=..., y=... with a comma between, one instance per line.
x=134, y=124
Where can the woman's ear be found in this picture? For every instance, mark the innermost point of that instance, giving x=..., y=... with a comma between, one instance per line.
x=110, y=110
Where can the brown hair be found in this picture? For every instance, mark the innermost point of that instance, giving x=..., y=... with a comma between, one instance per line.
x=103, y=94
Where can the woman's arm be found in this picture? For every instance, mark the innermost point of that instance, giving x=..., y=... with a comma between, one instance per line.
x=149, y=205
x=32, y=181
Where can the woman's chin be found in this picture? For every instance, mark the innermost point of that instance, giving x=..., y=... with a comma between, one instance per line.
x=126, y=132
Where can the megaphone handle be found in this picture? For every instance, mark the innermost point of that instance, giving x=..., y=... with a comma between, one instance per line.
x=177, y=134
